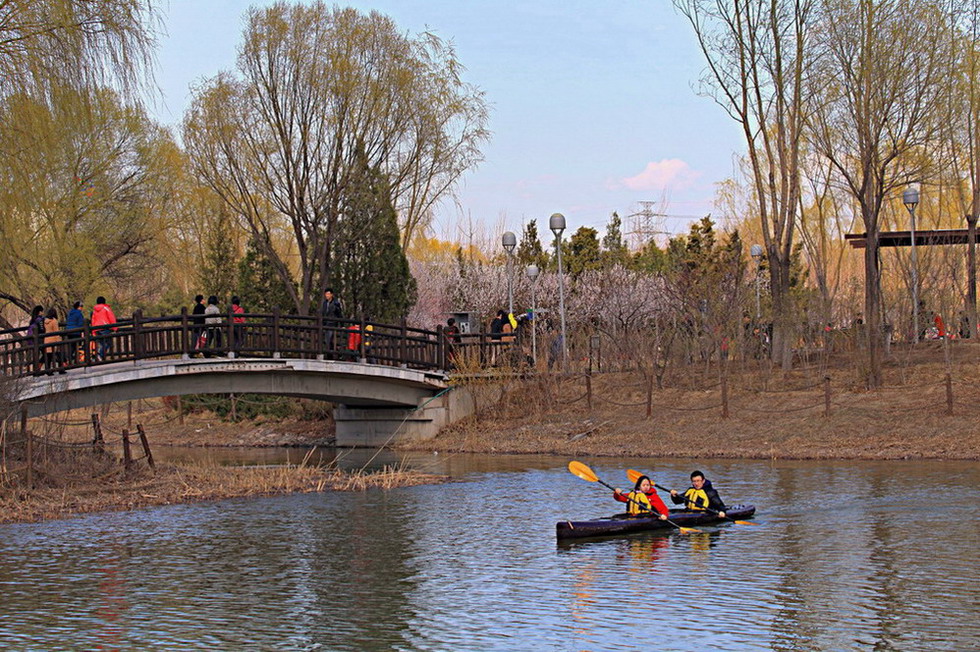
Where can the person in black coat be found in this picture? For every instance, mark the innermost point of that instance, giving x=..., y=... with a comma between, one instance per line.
x=198, y=320
x=331, y=311
x=700, y=496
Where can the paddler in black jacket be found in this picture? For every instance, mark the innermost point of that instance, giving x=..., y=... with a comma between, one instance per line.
x=699, y=496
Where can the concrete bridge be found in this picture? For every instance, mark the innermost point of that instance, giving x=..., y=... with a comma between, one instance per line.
x=389, y=383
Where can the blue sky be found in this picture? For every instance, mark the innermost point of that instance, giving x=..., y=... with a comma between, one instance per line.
x=593, y=103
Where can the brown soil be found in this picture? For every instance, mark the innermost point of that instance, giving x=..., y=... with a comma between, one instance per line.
x=771, y=415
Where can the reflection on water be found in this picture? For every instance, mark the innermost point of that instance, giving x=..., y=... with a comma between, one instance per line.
x=846, y=556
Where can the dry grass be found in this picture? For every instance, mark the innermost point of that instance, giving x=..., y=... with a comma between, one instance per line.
x=771, y=415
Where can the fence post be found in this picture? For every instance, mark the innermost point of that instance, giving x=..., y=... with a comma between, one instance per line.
x=724, y=396
x=588, y=388
x=403, y=353
x=129, y=414
x=275, y=333
x=146, y=445
x=185, y=349
x=826, y=396
x=138, y=334
x=36, y=352
x=949, y=393
x=97, y=439
x=650, y=397
x=29, y=447
x=127, y=454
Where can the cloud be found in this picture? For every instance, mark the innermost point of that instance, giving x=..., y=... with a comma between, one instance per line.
x=671, y=173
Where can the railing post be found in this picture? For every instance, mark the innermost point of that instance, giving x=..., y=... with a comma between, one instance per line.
x=185, y=336
x=146, y=445
x=404, y=343
x=87, y=343
x=440, y=348
x=320, y=339
x=127, y=454
x=231, y=325
x=482, y=354
x=362, y=345
x=138, y=334
x=36, y=352
x=275, y=333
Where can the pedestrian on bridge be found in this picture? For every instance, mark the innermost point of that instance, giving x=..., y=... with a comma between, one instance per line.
x=52, y=343
x=102, y=322
x=198, y=338
x=212, y=318
x=331, y=311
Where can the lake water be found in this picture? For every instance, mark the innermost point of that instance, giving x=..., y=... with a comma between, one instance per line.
x=844, y=556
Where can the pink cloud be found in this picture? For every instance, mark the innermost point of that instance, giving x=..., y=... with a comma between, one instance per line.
x=670, y=173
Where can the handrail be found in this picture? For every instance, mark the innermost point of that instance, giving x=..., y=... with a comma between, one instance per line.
x=260, y=335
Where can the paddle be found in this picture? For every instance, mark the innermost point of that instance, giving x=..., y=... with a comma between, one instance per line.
x=635, y=475
x=587, y=474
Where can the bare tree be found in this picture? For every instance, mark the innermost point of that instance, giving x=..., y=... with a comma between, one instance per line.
x=316, y=85
x=758, y=56
x=879, y=105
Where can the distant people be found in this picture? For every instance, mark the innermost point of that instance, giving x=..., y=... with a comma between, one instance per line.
x=212, y=320
x=700, y=496
x=332, y=312
x=643, y=499
x=453, y=340
x=52, y=343
x=102, y=323
x=36, y=325
x=964, y=325
x=497, y=326
x=937, y=319
x=238, y=330
x=198, y=336
x=75, y=322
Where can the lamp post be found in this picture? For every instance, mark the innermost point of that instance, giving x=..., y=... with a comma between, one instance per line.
x=756, y=252
x=510, y=241
x=911, y=199
x=532, y=273
x=557, y=225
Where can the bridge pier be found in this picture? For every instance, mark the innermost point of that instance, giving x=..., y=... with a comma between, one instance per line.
x=372, y=427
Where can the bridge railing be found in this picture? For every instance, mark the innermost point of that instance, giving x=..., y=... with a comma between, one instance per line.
x=241, y=335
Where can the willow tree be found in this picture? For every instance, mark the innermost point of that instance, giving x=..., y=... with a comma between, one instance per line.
x=758, y=57
x=85, y=191
x=278, y=141
x=52, y=43
x=881, y=102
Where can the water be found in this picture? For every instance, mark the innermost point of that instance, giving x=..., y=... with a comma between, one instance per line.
x=846, y=555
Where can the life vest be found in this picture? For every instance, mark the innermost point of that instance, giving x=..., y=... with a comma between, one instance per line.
x=638, y=503
x=696, y=499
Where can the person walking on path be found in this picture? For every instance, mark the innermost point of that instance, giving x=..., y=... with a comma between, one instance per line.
x=102, y=323
x=197, y=341
x=52, y=343
x=36, y=325
x=212, y=318
x=75, y=322
x=331, y=311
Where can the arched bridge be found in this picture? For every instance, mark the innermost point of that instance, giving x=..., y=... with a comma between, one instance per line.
x=378, y=374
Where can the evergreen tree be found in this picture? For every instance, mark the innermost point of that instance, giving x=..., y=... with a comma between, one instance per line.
x=369, y=268
x=651, y=259
x=614, y=251
x=219, y=270
x=260, y=286
x=530, y=251
x=583, y=251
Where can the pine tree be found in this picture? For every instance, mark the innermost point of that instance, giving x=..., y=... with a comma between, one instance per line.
x=583, y=251
x=218, y=272
x=530, y=251
x=369, y=270
x=614, y=251
x=259, y=284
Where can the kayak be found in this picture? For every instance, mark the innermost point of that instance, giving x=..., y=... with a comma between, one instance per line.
x=623, y=524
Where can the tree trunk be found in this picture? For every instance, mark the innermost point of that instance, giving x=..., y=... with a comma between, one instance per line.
x=782, y=315
x=872, y=310
x=971, y=270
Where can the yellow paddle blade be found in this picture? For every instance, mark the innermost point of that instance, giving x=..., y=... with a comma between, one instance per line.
x=633, y=475
x=582, y=471
x=689, y=530
x=744, y=522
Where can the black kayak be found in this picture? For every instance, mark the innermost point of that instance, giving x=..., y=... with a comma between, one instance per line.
x=623, y=524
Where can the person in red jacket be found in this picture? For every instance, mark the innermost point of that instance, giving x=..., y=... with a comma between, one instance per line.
x=102, y=319
x=643, y=498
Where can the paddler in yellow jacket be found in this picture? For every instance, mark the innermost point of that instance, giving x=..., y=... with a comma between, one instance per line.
x=699, y=496
x=643, y=500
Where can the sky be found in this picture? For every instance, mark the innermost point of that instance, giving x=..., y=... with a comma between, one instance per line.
x=594, y=104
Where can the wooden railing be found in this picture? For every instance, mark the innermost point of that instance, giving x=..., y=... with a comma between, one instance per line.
x=256, y=335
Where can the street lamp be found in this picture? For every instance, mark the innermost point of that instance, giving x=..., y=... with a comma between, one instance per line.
x=557, y=225
x=756, y=252
x=911, y=199
x=532, y=273
x=509, y=242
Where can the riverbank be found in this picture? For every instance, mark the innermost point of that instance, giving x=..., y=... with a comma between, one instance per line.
x=170, y=484
x=793, y=416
